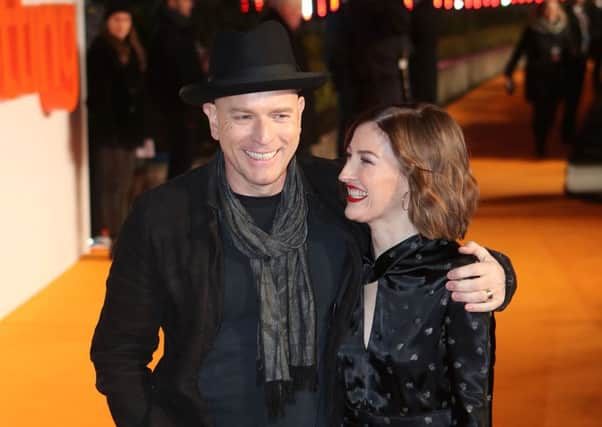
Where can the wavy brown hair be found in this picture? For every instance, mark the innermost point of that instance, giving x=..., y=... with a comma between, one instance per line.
x=430, y=147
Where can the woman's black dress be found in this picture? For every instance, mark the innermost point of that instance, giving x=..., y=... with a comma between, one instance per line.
x=428, y=361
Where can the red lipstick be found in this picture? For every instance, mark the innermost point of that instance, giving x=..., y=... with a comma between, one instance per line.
x=352, y=199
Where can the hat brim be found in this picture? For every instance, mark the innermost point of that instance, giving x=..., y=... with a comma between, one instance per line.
x=200, y=93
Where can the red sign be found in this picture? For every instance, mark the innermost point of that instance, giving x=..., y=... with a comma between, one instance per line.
x=38, y=53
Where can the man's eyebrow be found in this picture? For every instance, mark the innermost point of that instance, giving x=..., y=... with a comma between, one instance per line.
x=282, y=110
x=238, y=110
x=234, y=110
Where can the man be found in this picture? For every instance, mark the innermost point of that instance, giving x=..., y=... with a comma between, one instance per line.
x=367, y=47
x=579, y=28
x=423, y=59
x=595, y=24
x=176, y=59
x=243, y=263
x=379, y=41
x=337, y=57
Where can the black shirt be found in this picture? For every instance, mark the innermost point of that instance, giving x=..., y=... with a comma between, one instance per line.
x=228, y=378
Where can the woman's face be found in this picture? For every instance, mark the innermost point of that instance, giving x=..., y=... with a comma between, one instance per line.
x=551, y=10
x=119, y=25
x=376, y=188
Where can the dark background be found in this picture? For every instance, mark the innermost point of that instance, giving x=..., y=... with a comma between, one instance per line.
x=460, y=33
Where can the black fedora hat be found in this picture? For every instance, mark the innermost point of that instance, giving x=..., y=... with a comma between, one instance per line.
x=256, y=61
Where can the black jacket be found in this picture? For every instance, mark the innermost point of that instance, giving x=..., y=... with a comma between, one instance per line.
x=116, y=98
x=167, y=273
x=547, y=55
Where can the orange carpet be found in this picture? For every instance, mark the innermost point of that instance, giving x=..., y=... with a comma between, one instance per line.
x=548, y=371
x=46, y=376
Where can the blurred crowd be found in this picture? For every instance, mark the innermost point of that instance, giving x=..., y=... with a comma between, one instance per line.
x=557, y=44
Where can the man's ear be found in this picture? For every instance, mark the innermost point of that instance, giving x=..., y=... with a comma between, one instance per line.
x=301, y=106
x=211, y=112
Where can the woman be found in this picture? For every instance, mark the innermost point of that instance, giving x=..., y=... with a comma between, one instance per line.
x=547, y=45
x=116, y=100
x=410, y=355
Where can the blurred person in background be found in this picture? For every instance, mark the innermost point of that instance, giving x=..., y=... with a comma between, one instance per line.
x=595, y=16
x=423, y=57
x=176, y=58
x=116, y=114
x=589, y=138
x=366, y=69
x=379, y=46
x=579, y=28
x=585, y=160
x=337, y=58
x=546, y=43
x=288, y=13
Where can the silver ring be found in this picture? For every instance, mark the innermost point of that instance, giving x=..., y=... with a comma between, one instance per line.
x=488, y=294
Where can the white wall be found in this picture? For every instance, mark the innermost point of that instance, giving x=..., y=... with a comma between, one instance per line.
x=44, y=207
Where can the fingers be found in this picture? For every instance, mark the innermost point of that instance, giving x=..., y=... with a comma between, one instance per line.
x=475, y=292
x=469, y=247
x=468, y=285
x=473, y=248
x=481, y=285
x=471, y=270
x=482, y=307
x=477, y=297
x=479, y=301
x=487, y=267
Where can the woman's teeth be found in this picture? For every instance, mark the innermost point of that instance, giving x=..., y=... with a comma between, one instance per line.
x=261, y=156
x=356, y=194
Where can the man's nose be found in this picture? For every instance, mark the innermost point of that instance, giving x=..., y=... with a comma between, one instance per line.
x=263, y=131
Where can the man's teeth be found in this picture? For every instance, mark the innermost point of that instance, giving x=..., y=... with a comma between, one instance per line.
x=261, y=156
x=356, y=194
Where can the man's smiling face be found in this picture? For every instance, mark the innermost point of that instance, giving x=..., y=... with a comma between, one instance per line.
x=258, y=134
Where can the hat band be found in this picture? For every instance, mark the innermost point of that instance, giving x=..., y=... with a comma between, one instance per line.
x=266, y=72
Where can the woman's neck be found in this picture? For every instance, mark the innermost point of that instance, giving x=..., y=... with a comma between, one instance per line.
x=386, y=235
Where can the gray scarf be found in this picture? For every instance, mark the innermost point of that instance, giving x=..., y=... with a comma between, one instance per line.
x=287, y=325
